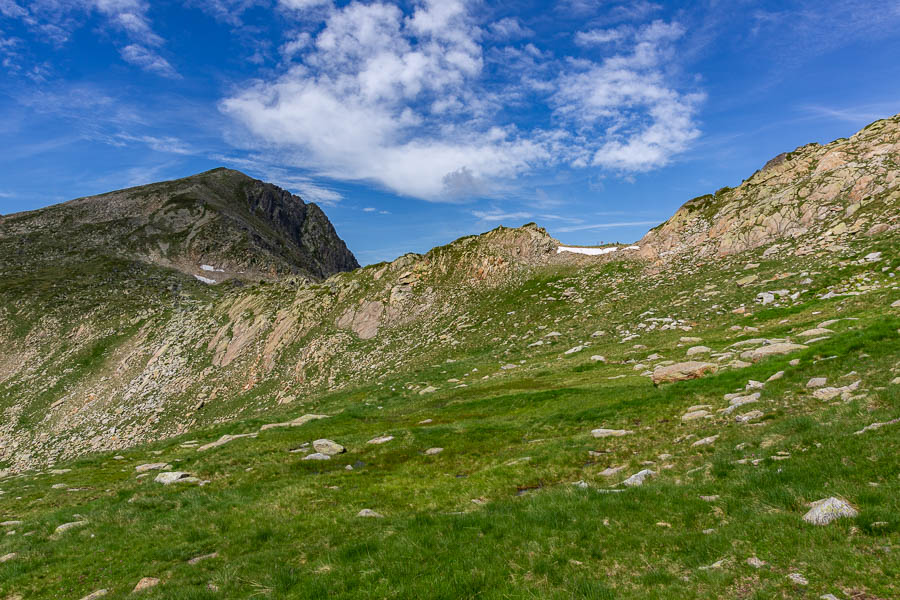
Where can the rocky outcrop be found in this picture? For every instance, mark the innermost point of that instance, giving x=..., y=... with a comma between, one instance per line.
x=811, y=199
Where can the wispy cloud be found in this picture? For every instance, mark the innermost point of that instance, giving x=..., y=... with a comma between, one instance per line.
x=572, y=228
x=56, y=20
x=496, y=215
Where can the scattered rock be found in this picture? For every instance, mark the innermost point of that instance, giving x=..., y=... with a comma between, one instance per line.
x=776, y=376
x=328, y=447
x=8, y=557
x=825, y=511
x=433, y=451
x=638, y=478
x=707, y=441
x=203, y=557
x=94, y=595
x=367, y=512
x=610, y=471
x=771, y=350
x=756, y=563
x=698, y=350
x=747, y=417
x=871, y=427
x=170, y=477
x=598, y=358
x=816, y=332
x=381, y=440
x=694, y=415
x=798, y=579
x=145, y=583
x=316, y=456
x=428, y=390
x=682, y=371
x=152, y=467
x=295, y=423
x=69, y=526
x=224, y=440
x=816, y=382
x=602, y=433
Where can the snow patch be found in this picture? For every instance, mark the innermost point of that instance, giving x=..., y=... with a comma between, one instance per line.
x=211, y=268
x=593, y=251
x=206, y=280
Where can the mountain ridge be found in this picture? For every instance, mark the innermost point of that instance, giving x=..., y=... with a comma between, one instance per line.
x=237, y=226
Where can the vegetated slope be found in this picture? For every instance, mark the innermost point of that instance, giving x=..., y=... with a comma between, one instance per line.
x=505, y=355
x=223, y=219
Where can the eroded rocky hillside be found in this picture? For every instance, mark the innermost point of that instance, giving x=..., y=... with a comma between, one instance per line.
x=813, y=198
x=105, y=353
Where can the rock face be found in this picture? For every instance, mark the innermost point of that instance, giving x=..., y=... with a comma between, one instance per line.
x=814, y=196
x=682, y=371
x=216, y=225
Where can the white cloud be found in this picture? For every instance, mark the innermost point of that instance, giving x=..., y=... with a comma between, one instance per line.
x=509, y=28
x=148, y=60
x=56, y=20
x=498, y=215
x=302, y=4
x=369, y=209
x=605, y=226
x=404, y=99
x=595, y=37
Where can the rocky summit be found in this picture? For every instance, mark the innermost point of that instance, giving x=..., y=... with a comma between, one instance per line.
x=203, y=395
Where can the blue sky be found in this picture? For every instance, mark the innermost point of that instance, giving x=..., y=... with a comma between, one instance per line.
x=415, y=122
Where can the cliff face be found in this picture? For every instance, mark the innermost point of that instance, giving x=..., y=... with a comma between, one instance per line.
x=814, y=198
x=216, y=225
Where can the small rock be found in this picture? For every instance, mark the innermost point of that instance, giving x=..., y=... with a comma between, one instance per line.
x=433, y=451
x=825, y=511
x=328, y=447
x=694, y=415
x=707, y=441
x=798, y=579
x=94, y=595
x=776, y=376
x=170, y=477
x=381, y=440
x=67, y=526
x=712, y=498
x=698, y=350
x=428, y=390
x=203, y=557
x=316, y=456
x=682, y=371
x=8, y=557
x=610, y=471
x=145, y=583
x=602, y=433
x=152, y=467
x=816, y=382
x=771, y=350
x=756, y=563
x=747, y=417
x=367, y=512
x=598, y=358
x=638, y=478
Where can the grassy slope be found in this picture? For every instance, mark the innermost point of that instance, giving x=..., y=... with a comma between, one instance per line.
x=286, y=528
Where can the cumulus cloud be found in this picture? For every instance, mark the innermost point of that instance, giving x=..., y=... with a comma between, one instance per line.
x=413, y=101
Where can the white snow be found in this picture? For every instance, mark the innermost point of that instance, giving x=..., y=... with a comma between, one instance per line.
x=206, y=279
x=212, y=269
x=593, y=251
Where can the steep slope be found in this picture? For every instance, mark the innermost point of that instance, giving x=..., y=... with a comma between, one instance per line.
x=814, y=198
x=217, y=225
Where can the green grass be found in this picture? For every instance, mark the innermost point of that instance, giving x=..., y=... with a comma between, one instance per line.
x=515, y=442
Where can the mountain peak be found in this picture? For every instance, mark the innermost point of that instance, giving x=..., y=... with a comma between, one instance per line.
x=214, y=225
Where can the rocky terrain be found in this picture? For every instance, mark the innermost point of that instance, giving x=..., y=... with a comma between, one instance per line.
x=709, y=413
